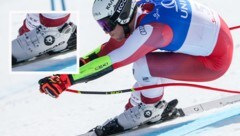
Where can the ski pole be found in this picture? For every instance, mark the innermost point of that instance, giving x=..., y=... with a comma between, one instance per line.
x=52, y=5
x=145, y=88
x=63, y=5
x=234, y=27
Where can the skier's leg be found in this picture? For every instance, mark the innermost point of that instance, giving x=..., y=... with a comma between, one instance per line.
x=134, y=100
x=32, y=21
x=185, y=67
x=142, y=107
x=156, y=66
x=53, y=20
x=143, y=78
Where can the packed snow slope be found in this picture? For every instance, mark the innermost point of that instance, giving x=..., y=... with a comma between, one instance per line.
x=26, y=112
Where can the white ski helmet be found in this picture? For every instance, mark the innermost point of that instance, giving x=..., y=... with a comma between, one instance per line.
x=118, y=11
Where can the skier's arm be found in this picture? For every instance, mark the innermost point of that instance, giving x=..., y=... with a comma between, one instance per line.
x=90, y=56
x=92, y=70
x=102, y=50
x=142, y=41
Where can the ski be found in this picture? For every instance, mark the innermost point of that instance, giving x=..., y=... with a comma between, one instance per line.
x=210, y=105
x=198, y=108
x=182, y=112
x=42, y=57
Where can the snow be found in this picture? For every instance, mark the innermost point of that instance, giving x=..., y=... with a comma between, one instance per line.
x=25, y=111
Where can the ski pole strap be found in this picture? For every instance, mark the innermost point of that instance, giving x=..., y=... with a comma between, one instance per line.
x=145, y=88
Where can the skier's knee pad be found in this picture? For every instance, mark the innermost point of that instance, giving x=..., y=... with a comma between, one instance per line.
x=141, y=73
x=143, y=77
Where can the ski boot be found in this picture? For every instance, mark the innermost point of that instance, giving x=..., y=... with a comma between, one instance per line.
x=40, y=41
x=170, y=112
x=131, y=118
x=71, y=43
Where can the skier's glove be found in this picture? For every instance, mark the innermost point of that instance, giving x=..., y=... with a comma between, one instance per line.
x=54, y=85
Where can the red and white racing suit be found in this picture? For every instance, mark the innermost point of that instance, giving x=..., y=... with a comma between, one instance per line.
x=205, y=54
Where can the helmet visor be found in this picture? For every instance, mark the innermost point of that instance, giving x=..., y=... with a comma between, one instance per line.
x=107, y=24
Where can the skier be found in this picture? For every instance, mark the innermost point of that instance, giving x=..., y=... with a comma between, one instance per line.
x=40, y=34
x=191, y=42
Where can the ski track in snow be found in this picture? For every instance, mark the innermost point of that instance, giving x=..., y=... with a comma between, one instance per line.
x=25, y=111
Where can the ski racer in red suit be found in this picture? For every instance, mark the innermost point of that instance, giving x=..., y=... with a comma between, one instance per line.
x=191, y=42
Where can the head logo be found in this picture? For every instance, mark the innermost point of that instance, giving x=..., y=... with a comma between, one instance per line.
x=170, y=4
x=147, y=113
x=156, y=14
x=121, y=6
x=109, y=4
x=49, y=40
x=142, y=30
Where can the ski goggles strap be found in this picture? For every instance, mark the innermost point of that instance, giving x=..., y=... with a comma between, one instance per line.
x=107, y=24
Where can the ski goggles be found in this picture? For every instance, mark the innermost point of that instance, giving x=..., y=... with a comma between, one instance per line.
x=107, y=24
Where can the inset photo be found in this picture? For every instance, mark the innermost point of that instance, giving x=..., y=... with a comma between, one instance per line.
x=44, y=42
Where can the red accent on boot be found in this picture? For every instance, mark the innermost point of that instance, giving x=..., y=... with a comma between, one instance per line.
x=23, y=29
x=128, y=105
x=53, y=22
x=147, y=100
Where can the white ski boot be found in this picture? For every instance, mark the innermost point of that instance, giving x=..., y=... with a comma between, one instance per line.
x=40, y=41
x=131, y=118
x=141, y=114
